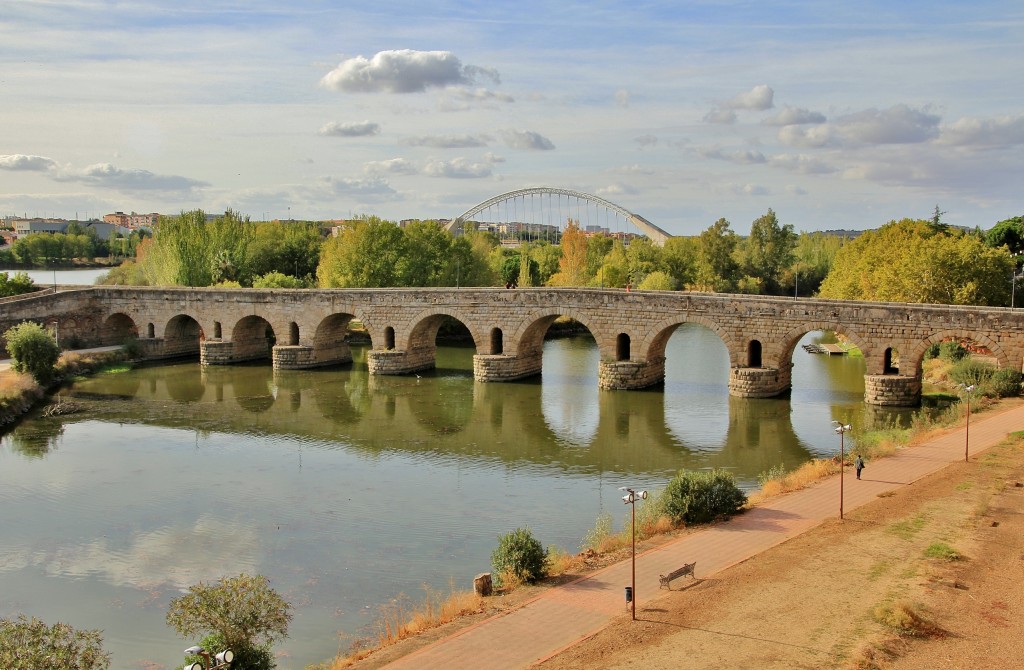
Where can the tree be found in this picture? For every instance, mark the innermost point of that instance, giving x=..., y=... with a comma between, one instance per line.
x=33, y=350
x=519, y=556
x=716, y=269
x=427, y=256
x=1008, y=233
x=768, y=251
x=366, y=254
x=16, y=285
x=30, y=644
x=572, y=266
x=277, y=280
x=680, y=258
x=244, y=612
x=910, y=261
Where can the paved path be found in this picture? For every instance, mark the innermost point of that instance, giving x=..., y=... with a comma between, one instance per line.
x=564, y=615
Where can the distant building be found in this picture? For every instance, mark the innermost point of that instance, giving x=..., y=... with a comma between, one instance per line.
x=133, y=220
x=104, y=230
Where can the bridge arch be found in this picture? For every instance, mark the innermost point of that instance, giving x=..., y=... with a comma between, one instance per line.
x=917, y=353
x=657, y=235
x=252, y=338
x=117, y=328
x=792, y=338
x=654, y=344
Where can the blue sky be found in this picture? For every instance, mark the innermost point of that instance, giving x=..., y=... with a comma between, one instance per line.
x=834, y=115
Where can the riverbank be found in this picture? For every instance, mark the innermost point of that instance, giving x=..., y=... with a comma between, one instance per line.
x=19, y=392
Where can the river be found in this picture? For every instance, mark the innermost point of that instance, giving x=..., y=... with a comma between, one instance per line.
x=348, y=490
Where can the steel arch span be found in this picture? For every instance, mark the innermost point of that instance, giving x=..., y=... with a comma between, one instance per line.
x=657, y=235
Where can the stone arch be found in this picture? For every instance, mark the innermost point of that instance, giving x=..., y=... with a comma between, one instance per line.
x=754, y=354
x=497, y=343
x=252, y=338
x=793, y=337
x=389, y=338
x=218, y=331
x=622, y=352
x=529, y=336
x=329, y=343
x=426, y=324
x=150, y=330
x=654, y=344
x=887, y=363
x=117, y=328
x=181, y=336
x=917, y=352
x=293, y=334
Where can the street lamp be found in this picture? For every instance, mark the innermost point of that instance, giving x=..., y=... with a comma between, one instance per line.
x=630, y=499
x=222, y=660
x=967, y=430
x=841, y=430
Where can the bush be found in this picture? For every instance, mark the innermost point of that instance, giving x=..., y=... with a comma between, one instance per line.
x=702, y=497
x=932, y=351
x=33, y=349
x=971, y=372
x=519, y=556
x=1005, y=382
x=277, y=280
x=16, y=285
x=243, y=612
x=30, y=644
x=952, y=351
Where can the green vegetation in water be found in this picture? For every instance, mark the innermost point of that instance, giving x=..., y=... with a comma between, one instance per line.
x=116, y=368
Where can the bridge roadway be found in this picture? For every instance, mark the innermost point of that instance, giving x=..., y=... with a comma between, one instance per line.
x=298, y=329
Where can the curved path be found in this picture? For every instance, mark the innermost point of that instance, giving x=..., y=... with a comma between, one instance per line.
x=564, y=615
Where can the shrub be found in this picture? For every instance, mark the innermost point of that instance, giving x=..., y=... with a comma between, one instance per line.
x=933, y=351
x=1005, y=382
x=16, y=285
x=942, y=551
x=33, y=349
x=245, y=614
x=519, y=556
x=970, y=371
x=903, y=620
x=702, y=497
x=30, y=644
x=952, y=351
x=277, y=280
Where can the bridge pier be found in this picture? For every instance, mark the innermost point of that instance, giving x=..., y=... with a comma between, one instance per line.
x=505, y=367
x=391, y=362
x=760, y=382
x=216, y=352
x=626, y=375
x=892, y=390
x=302, y=357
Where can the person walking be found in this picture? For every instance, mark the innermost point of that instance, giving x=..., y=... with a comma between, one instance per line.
x=858, y=465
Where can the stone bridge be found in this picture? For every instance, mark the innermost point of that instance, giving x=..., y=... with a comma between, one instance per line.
x=309, y=328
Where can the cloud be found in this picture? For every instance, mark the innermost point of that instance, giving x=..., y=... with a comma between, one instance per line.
x=449, y=141
x=403, y=71
x=457, y=99
x=998, y=132
x=790, y=116
x=526, y=139
x=749, y=189
x=802, y=163
x=105, y=175
x=457, y=168
x=622, y=98
x=26, y=163
x=899, y=124
x=373, y=186
x=813, y=137
x=615, y=189
x=398, y=166
x=720, y=116
x=758, y=98
x=737, y=157
x=351, y=129
x=493, y=158
x=646, y=141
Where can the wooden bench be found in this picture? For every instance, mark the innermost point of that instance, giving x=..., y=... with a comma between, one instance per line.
x=666, y=580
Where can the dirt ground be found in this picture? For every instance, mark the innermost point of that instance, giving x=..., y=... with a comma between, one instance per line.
x=811, y=602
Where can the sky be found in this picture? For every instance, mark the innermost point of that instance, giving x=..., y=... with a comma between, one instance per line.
x=835, y=115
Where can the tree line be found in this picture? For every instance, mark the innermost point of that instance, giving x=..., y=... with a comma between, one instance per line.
x=910, y=260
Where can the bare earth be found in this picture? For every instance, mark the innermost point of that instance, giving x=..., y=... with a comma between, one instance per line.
x=810, y=602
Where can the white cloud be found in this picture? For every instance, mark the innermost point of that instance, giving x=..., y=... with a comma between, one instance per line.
x=738, y=157
x=493, y=158
x=526, y=139
x=1001, y=131
x=459, y=99
x=813, y=137
x=403, y=71
x=899, y=124
x=749, y=189
x=449, y=141
x=645, y=141
x=802, y=163
x=105, y=175
x=622, y=98
x=758, y=99
x=399, y=166
x=720, y=116
x=615, y=189
x=350, y=129
x=457, y=168
x=790, y=116
x=27, y=163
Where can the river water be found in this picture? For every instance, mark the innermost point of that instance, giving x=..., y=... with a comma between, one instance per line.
x=348, y=490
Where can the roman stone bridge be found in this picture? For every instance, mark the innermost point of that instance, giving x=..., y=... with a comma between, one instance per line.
x=309, y=328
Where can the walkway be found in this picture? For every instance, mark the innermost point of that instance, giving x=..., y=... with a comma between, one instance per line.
x=565, y=615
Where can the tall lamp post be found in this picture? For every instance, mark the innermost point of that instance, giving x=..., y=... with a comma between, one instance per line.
x=630, y=499
x=967, y=430
x=841, y=430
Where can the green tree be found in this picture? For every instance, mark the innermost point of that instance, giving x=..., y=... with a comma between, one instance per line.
x=716, y=269
x=519, y=556
x=702, y=497
x=680, y=259
x=32, y=350
x=31, y=644
x=768, y=252
x=813, y=257
x=277, y=280
x=366, y=253
x=657, y=281
x=1008, y=233
x=427, y=256
x=572, y=266
x=547, y=256
x=288, y=247
x=16, y=285
x=911, y=261
x=245, y=613
x=642, y=257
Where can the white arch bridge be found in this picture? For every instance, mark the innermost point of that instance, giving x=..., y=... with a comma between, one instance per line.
x=546, y=204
